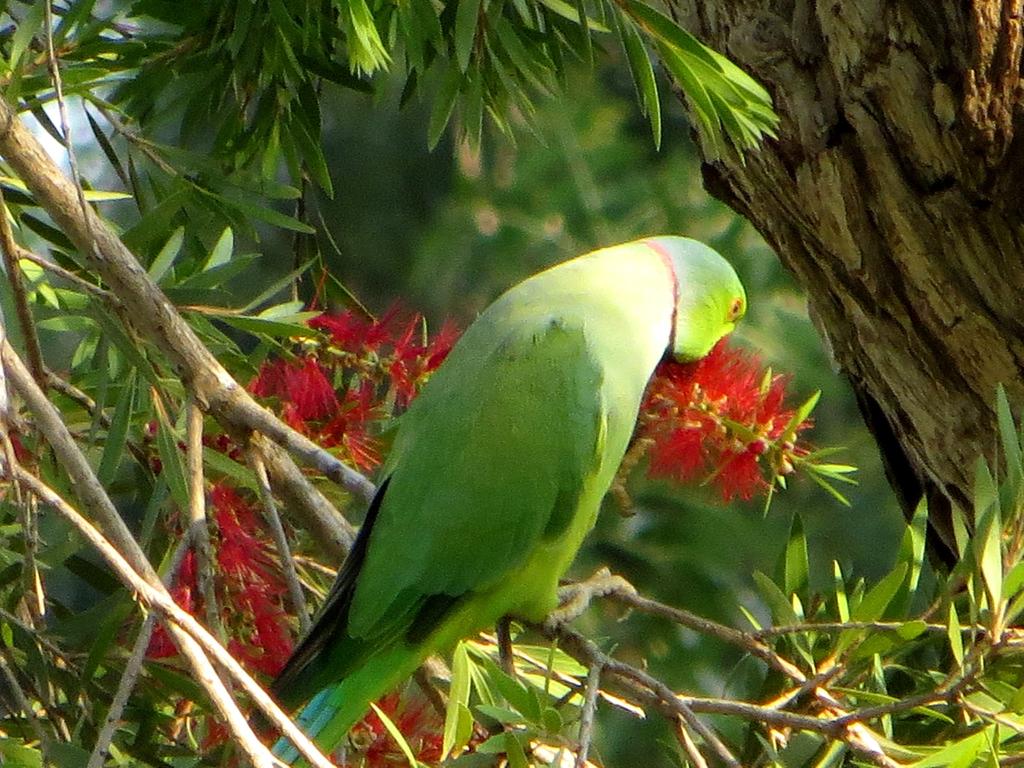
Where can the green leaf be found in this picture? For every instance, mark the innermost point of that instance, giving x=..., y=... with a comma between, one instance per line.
x=1008, y=436
x=396, y=734
x=165, y=258
x=277, y=286
x=311, y=148
x=502, y=715
x=842, y=604
x=444, y=103
x=14, y=752
x=778, y=603
x=222, y=250
x=117, y=434
x=467, y=15
x=514, y=751
x=874, y=603
x=225, y=465
x=566, y=11
x=959, y=754
x=259, y=325
x=643, y=75
x=987, y=538
x=796, y=567
x=953, y=632
x=458, y=700
x=173, y=469
x=25, y=30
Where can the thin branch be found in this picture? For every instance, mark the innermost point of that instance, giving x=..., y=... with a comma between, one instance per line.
x=647, y=690
x=9, y=248
x=328, y=528
x=284, y=551
x=65, y=122
x=503, y=638
x=713, y=629
x=133, y=667
x=71, y=277
x=688, y=744
x=593, y=688
x=710, y=737
x=198, y=525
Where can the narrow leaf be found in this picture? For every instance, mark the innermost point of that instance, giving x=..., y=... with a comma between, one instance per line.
x=466, y=17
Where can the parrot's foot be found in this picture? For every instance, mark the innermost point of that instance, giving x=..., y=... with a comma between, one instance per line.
x=574, y=599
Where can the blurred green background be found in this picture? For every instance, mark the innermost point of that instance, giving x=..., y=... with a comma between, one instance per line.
x=445, y=232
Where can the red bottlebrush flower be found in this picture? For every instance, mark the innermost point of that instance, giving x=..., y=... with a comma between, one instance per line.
x=249, y=589
x=717, y=418
x=160, y=644
x=439, y=347
x=303, y=385
x=353, y=332
x=271, y=381
x=347, y=330
x=309, y=389
x=349, y=429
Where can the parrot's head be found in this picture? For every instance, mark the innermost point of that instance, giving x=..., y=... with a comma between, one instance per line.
x=710, y=299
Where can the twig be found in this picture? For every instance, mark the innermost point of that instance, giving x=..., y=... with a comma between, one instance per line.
x=65, y=123
x=133, y=667
x=71, y=277
x=284, y=551
x=686, y=741
x=189, y=634
x=30, y=567
x=647, y=690
x=503, y=638
x=53, y=648
x=9, y=248
x=710, y=737
x=593, y=688
x=430, y=670
x=707, y=627
x=329, y=529
x=198, y=525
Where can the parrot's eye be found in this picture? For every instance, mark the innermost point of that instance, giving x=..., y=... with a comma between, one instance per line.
x=736, y=309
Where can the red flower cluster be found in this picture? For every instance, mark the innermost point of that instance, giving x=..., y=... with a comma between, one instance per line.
x=719, y=419
x=249, y=588
x=419, y=724
x=375, y=365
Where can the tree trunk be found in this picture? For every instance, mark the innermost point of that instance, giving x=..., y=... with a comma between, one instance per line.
x=895, y=194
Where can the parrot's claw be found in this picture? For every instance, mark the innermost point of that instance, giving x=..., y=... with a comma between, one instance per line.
x=574, y=599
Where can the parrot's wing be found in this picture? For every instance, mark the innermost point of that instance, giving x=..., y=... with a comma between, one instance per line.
x=494, y=458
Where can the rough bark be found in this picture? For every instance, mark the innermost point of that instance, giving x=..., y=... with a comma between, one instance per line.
x=895, y=194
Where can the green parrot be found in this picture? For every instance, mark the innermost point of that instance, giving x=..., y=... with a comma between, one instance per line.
x=499, y=467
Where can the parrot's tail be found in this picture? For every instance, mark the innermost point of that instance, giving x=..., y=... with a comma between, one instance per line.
x=330, y=714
